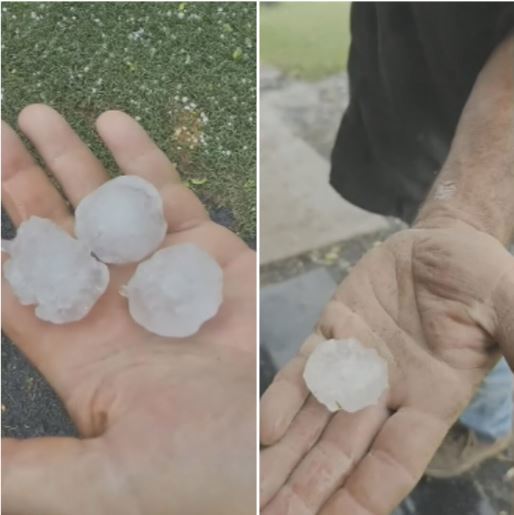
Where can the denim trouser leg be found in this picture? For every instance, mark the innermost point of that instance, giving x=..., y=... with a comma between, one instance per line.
x=490, y=412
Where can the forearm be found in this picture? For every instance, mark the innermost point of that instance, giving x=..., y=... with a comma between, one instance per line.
x=476, y=183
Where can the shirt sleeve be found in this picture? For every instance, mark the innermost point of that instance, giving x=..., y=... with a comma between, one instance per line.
x=411, y=69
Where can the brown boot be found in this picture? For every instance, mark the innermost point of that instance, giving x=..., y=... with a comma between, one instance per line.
x=462, y=450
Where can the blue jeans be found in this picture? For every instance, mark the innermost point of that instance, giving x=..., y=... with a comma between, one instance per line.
x=490, y=412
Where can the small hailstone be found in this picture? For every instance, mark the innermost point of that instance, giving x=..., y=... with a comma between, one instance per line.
x=122, y=221
x=57, y=273
x=343, y=374
x=175, y=291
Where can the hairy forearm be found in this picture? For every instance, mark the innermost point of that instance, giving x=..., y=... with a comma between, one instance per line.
x=476, y=183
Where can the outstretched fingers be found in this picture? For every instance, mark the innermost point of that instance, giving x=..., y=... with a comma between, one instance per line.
x=26, y=189
x=392, y=467
x=188, y=221
x=68, y=158
x=136, y=154
x=277, y=461
x=286, y=395
x=302, y=468
x=324, y=469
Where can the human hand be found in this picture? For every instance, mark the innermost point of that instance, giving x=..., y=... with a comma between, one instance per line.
x=438, y=304
x=159, y=418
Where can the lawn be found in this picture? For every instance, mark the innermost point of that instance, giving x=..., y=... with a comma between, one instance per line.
x=309, y=40
x=186, y=71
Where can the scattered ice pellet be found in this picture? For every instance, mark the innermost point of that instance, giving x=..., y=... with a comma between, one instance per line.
x=343, y=374
x=175, y=291
x=122, y=221
x=57, y=273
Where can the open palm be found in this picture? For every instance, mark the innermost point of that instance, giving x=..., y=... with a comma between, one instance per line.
x=435, y=304
x=159, y=417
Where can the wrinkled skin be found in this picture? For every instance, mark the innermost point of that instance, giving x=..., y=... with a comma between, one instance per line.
x=437, y=302
x=159, y=418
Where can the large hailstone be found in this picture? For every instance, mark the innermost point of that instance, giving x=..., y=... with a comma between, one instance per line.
x=122, y=221
x=57, y=273
x=343, y=374
x=175, y=291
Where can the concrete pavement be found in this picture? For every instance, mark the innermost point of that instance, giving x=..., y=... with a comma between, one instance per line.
x=299, y=210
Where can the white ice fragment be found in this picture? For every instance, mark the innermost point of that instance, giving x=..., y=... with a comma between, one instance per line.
x=57, y=273
x=122, y=221
x=344, y=374
x=175, y=291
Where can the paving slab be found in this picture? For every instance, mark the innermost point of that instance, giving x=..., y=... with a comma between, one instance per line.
x=312, y=110
x=299, y=210
x=289, y=311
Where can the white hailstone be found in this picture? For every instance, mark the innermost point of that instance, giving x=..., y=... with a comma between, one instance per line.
x=57, y=273
x=122, y=221
x=175, y=291
x=343, y=374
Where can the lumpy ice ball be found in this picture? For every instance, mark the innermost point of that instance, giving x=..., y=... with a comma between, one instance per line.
x=122, y=221
x=57, y=273
x=175, y=291
x=344, y=374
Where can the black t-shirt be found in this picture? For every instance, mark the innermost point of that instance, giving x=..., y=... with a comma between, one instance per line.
x=411, y=69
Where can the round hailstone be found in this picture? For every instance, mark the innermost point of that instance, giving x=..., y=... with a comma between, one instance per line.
x=343, y=374
x=122, y=221
x=175, y=291
x=57, y=273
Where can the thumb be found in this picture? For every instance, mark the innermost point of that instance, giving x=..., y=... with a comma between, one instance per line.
x=503, y=303
x=52, y=476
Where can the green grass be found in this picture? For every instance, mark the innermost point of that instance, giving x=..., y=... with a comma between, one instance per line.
x=186, y=71
x=305, y=39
